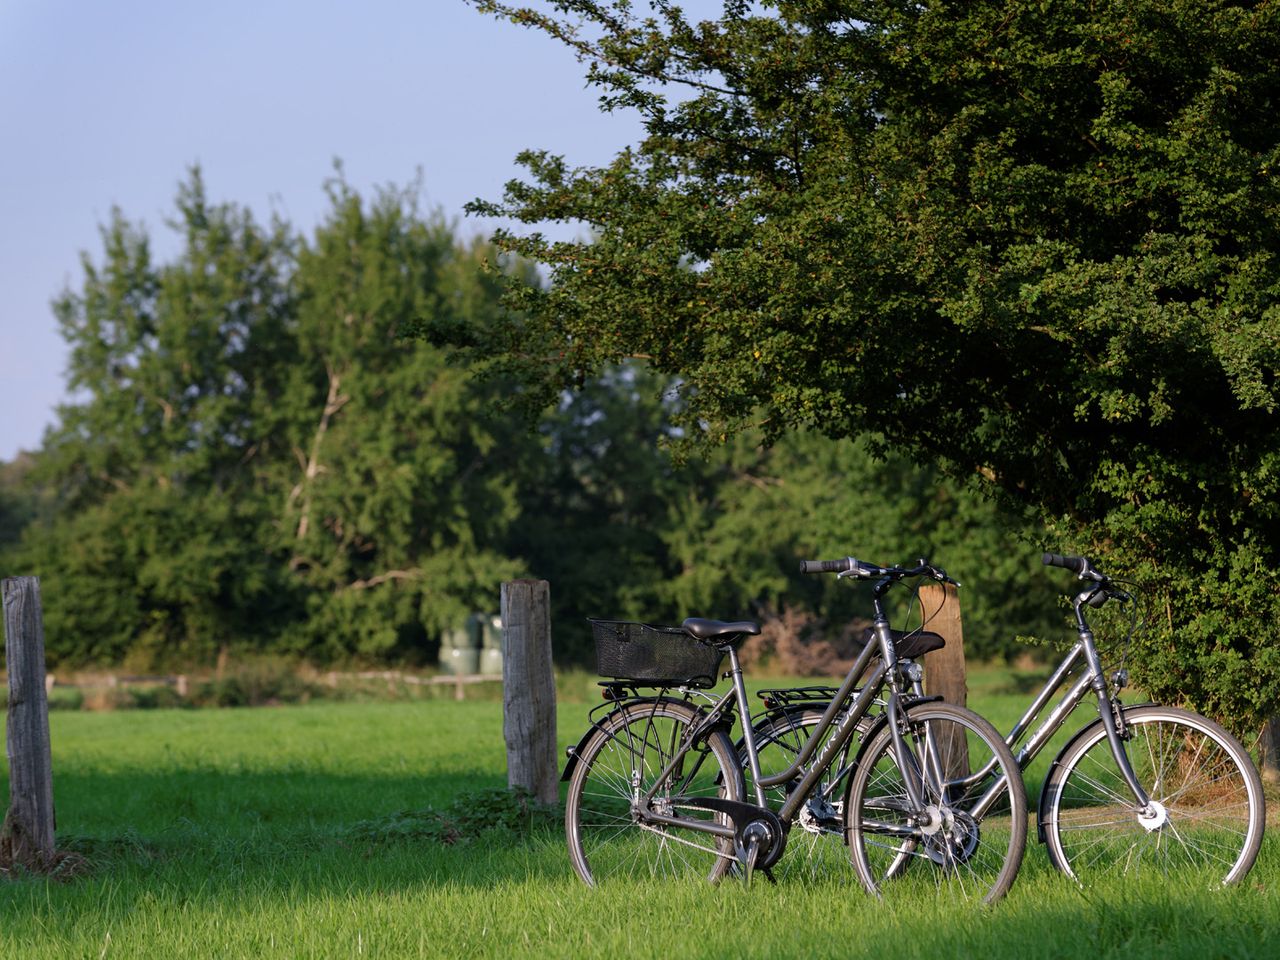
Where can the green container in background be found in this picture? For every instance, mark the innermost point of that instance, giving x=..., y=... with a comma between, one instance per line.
x=459, y=661
x=475, y=631
x=491, y=631
x=491, y=661
x=460, y=637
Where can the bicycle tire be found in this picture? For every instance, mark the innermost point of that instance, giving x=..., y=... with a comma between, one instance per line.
x=619, y=762
x=1211, y=812
x=955, y=854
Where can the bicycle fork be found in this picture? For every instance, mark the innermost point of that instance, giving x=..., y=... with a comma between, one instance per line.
x=1152, y=814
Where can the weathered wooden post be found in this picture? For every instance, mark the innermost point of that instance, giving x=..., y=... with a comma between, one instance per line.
x=27, y=835
x=529, y=689
x=944, y=672
x=1270, y=750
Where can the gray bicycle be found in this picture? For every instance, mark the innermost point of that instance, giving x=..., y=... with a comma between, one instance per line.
x=657, y=789
x=1141, y=789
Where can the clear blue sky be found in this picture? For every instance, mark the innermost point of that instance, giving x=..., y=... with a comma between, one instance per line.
x=109, y=104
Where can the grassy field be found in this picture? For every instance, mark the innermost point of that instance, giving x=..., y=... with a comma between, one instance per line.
x=282, y=832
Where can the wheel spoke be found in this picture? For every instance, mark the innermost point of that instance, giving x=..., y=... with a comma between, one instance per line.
x=948, y=852
x=620, y=765
x=1207, y=813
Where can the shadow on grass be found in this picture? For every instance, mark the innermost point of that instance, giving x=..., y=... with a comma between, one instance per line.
x=271, y=826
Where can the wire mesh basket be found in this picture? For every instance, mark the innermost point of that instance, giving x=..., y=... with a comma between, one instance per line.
x=654, y=656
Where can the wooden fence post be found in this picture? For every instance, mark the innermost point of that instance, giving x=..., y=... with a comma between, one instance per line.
x=27, y=835
x=529, y=689
x=1270, y=750
x=944, y=673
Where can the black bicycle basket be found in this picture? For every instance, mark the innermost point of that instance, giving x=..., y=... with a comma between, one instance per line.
x=654, y=656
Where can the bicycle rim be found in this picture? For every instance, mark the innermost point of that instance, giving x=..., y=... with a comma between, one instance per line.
x=950, y=852
x=1209, y=817
x=619, y=764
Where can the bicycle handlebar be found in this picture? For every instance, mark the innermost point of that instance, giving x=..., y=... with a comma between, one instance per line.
x=827, y=566
x=1083, y=568
x=1076, y=565
x=851, y=567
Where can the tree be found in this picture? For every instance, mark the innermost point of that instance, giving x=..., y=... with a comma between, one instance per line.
x=396, y=485
x=255, y=458
x=624, y=531
x=760, y=508
x=151, y=549
x=18, y=504
x=1035, y=243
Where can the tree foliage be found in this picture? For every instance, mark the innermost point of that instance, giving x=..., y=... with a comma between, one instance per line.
x=256, y=457
x=1032, y=242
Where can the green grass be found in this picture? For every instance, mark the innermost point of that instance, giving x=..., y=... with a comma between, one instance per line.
x=238, y=833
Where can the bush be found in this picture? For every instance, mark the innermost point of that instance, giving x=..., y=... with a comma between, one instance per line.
x=64, y=698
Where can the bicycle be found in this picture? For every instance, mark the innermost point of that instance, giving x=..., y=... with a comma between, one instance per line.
x=791, y=713
x=656, y=787
x=1141, y=788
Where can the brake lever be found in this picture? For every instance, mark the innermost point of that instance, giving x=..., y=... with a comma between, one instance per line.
x=939, y=575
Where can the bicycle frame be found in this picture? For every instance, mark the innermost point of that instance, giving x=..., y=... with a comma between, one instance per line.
x=1093, y=679
x=844, y=730
x=737, y=695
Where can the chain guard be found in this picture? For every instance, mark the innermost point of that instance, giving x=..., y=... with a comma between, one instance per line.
x=743, y=815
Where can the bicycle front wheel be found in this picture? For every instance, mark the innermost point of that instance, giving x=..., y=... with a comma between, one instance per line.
x=620, y=764
x=1207, y=811
x=967, y=841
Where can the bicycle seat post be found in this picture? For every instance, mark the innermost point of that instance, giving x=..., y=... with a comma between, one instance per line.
x=748, y=734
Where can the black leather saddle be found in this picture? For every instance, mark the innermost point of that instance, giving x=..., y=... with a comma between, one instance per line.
x=910, y=646
x=719, y=631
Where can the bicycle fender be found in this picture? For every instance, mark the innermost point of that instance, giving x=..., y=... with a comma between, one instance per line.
x=770, y=717
x=1086, y=730
x=572, y=753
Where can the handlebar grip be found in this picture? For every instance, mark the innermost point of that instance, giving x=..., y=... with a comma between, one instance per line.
x=1074, y=564
x=826, y=566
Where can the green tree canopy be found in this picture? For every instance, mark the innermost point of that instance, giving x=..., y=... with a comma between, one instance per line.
x=255, y=456
x=257, y=460
x=1034, y=242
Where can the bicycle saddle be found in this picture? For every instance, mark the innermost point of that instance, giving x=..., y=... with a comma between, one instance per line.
x=718, y=629
x=909, y=645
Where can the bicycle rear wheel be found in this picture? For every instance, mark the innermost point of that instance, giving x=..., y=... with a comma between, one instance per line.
x=618, y=765
x=958, y=849
x=1208, y=814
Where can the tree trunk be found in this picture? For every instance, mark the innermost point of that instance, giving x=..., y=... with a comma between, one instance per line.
x=529, y=689
x=27, y=837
